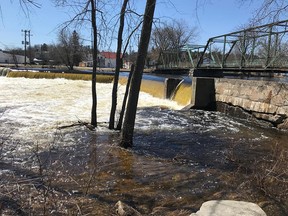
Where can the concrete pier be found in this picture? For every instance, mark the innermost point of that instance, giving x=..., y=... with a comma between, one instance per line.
x=203, y=93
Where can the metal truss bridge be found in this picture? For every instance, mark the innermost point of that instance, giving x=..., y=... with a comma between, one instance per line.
x=256, y=51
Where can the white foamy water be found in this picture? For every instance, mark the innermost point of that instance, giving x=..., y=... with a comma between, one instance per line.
x=38, y=106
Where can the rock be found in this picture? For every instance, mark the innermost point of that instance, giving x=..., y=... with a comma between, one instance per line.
x=164, y=211
x=229, y=208
x=123, y=209
x=275, y=119
x=284, y=125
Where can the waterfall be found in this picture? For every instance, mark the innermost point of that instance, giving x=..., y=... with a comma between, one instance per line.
x=177, y=89
x=183, y=93
x=4, y=71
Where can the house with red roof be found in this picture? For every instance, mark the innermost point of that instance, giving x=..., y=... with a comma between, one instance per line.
x=107, y=59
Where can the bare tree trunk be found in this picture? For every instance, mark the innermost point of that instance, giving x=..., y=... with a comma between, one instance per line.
x=129, y=120
x=118, y=66
x=94, y=95
x=120, y=121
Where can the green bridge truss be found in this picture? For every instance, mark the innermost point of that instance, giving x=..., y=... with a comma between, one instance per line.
x=262, y=49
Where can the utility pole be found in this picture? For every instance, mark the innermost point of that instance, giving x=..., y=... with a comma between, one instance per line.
x=25, y=42
x=30, y=54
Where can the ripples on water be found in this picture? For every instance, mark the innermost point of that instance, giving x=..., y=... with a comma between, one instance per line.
x=179, y=158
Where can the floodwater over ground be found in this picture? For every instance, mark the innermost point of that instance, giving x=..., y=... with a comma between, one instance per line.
x=180, y=159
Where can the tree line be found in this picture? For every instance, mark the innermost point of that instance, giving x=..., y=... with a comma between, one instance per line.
x=69, y=50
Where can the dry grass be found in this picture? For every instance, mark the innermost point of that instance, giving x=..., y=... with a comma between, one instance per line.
x=272, y=175
x=267, y=174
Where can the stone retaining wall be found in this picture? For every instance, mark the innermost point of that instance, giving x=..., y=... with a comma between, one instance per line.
x=266, y=100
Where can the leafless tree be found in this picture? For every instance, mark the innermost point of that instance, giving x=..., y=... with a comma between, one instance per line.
x=86, y=12
x=171, y=37
x=26, y=3
x=130, y=115
x=69, y=48
x=269, y=11
x=99, y=16
x=118, y=65
x=95, y=48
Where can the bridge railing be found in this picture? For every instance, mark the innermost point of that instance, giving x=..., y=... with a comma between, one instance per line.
x=185, y=57
x=262, y=48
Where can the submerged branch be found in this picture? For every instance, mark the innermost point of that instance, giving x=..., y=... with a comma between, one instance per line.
x=80, y=123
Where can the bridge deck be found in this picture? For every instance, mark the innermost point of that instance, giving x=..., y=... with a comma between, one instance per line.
x=221, y=72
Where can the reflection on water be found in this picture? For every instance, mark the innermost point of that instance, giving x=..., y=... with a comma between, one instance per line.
x=179, y=160
x=177, y=167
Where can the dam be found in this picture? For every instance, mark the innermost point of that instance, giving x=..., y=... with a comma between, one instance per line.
x=260, y=98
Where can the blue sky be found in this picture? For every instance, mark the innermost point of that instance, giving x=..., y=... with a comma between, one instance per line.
x=212, y=18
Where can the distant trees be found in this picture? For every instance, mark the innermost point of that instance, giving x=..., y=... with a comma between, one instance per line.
x=69, y=48
x=44, y=53
x=172, y=36
x=69, y=51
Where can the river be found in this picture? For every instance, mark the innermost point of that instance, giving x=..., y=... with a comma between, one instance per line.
x=179, y=160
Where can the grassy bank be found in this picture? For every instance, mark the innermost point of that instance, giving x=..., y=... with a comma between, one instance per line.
x=46, y=75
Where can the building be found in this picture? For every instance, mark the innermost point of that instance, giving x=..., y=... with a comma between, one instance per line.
x=10, y=58
x=105, y=60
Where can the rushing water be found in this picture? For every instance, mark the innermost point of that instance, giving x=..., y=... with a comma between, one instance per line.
x=179, y=159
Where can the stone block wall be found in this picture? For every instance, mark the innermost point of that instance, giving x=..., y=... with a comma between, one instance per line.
x=266, y=100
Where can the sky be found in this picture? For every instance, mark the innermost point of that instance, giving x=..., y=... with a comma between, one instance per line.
x=210, y=17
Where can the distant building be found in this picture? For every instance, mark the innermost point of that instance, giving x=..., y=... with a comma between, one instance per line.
x=127, y=64
x=10, y=58
x=88, y=62
x=108, y=59
x=105, y=60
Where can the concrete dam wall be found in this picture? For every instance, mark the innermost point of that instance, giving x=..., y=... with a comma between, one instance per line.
x=176, y=89
x=263, y=100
